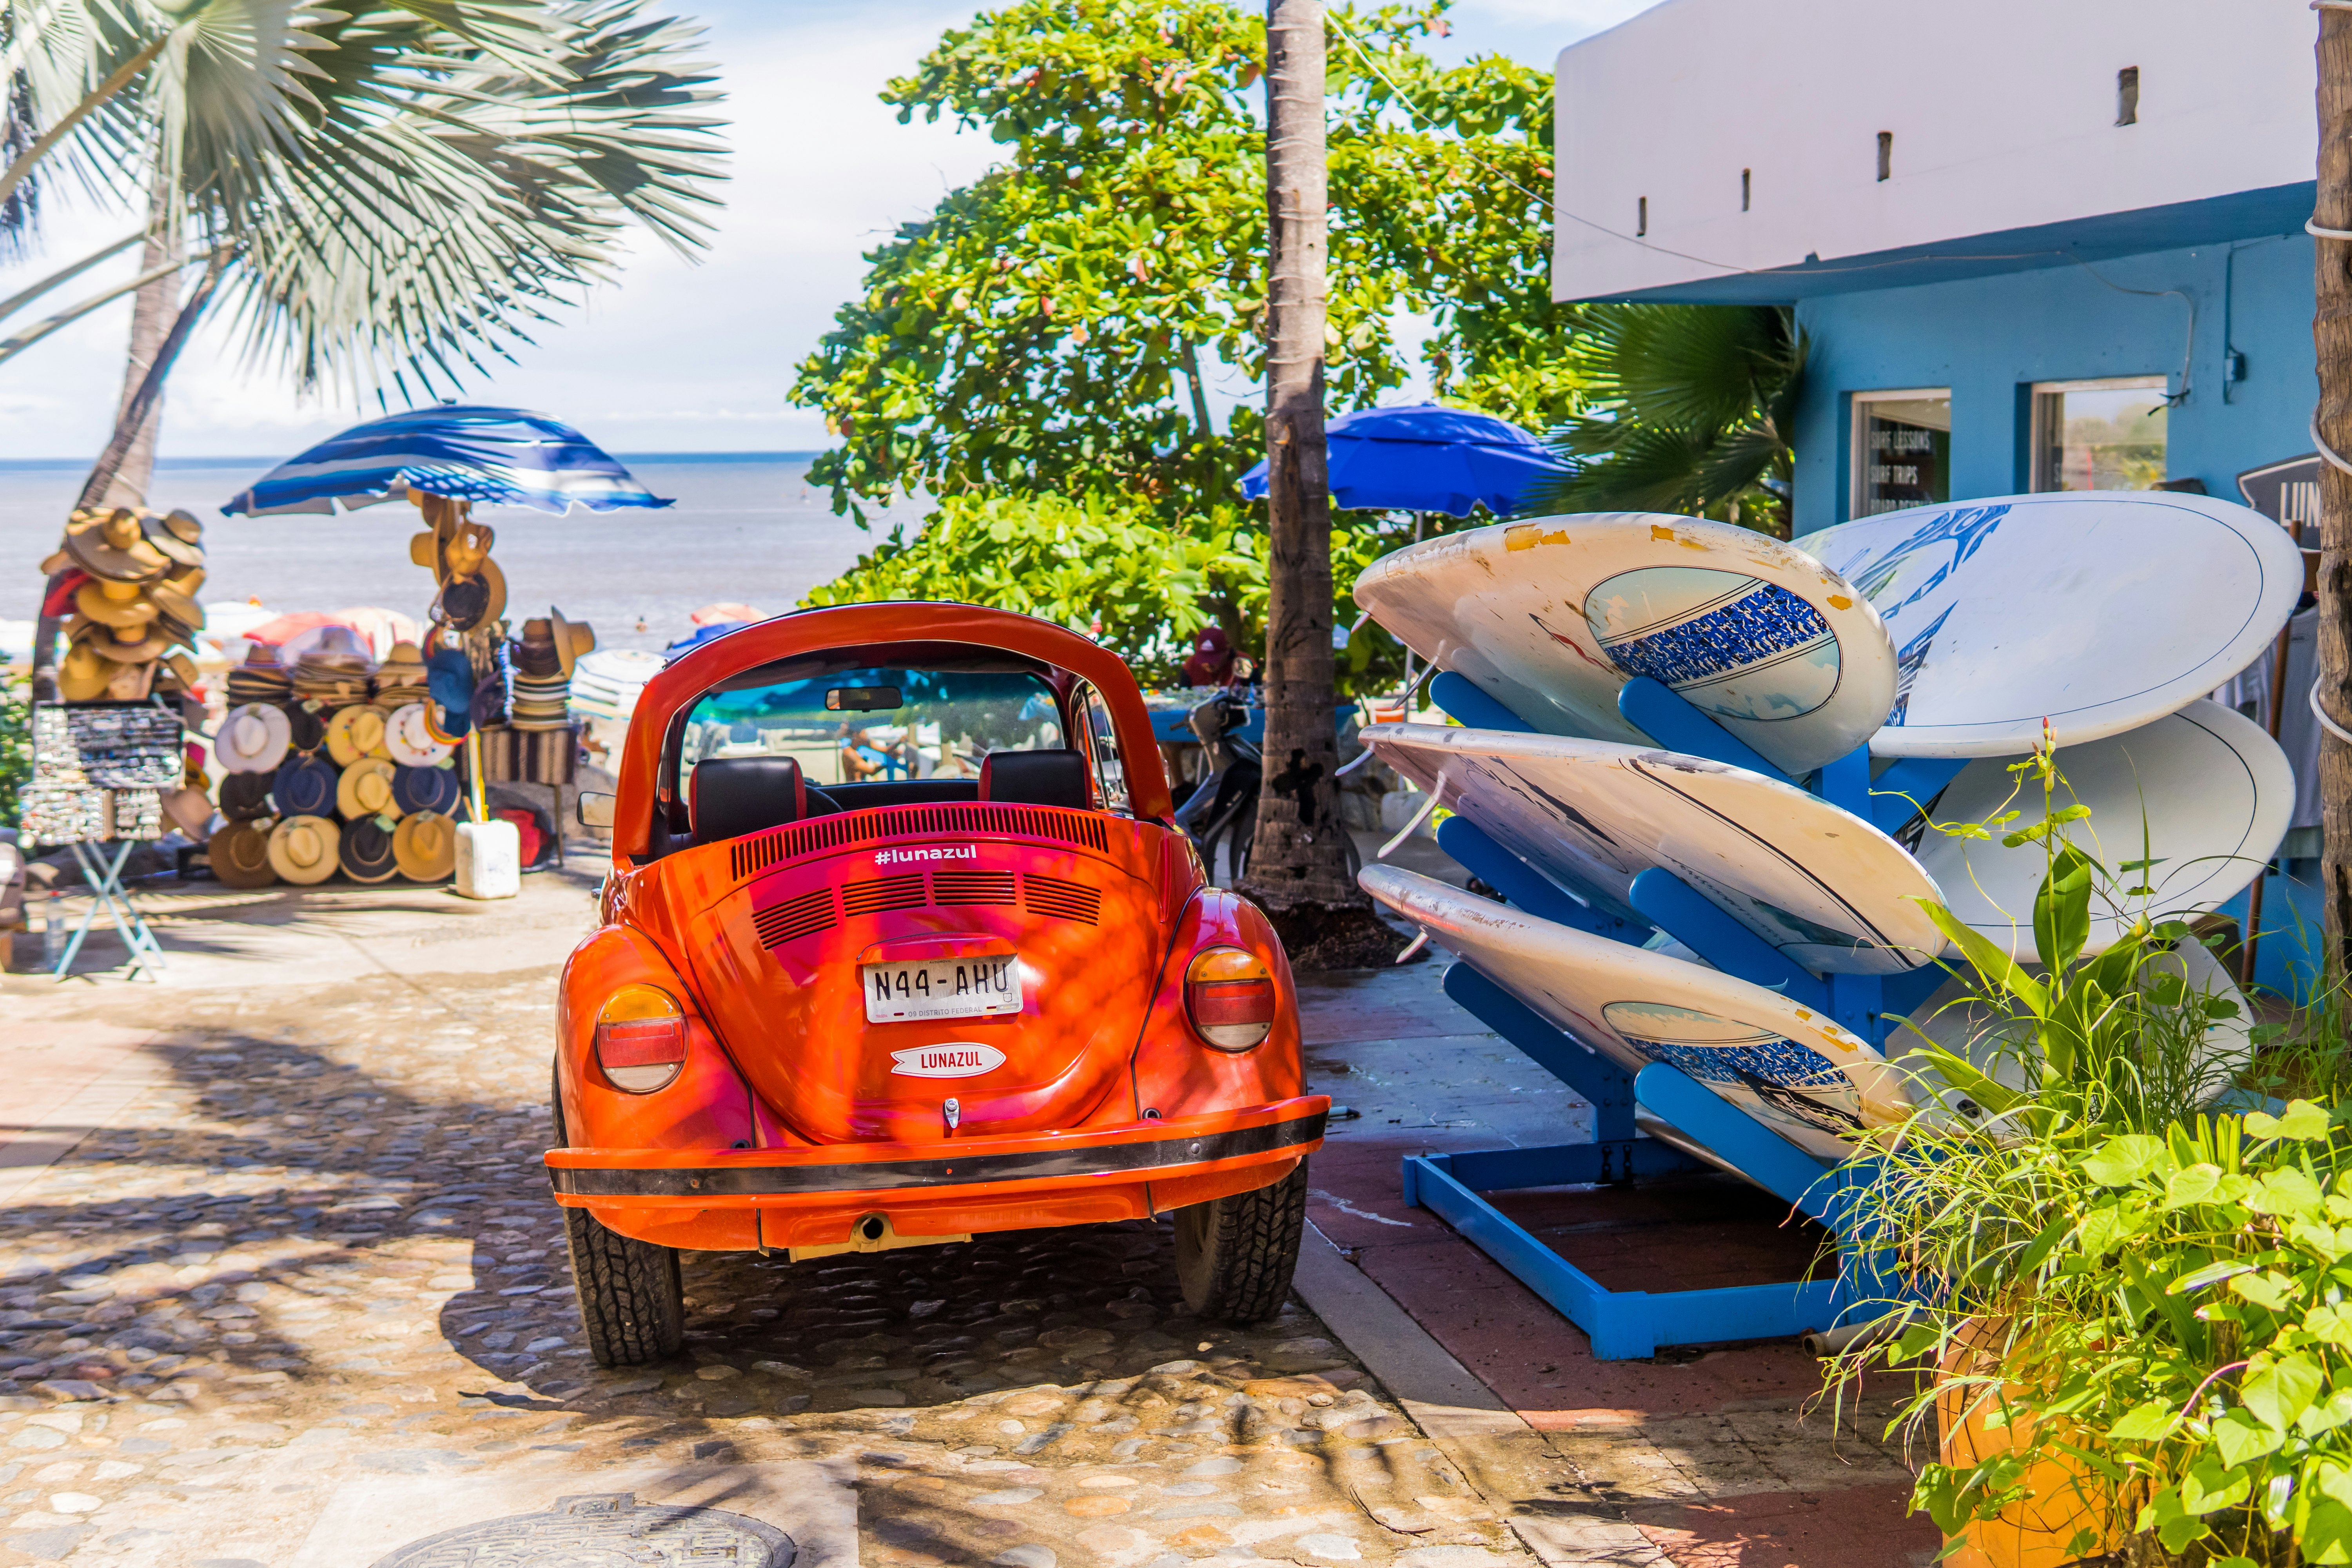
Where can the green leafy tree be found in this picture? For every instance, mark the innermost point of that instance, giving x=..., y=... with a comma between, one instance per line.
x=1689, y=409
x=1049, y=329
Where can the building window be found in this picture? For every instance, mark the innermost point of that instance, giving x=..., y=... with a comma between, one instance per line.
x=1902, y=449
x=2099, y=435
x=1743, y=188
x=2127, y=96
x=1885, y=155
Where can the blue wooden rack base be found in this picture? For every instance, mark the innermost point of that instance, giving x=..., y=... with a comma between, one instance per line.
x=1633, y=1324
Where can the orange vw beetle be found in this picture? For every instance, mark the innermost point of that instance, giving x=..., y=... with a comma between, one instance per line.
x=900, y=946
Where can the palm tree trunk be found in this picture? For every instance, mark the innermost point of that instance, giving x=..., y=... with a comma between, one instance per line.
x=1298, y=867
x=2332, y=335
x=153, y=309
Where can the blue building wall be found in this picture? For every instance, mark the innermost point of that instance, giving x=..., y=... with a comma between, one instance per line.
x=1990, y=339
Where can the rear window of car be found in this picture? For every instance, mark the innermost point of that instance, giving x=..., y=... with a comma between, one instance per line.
x=865, y=725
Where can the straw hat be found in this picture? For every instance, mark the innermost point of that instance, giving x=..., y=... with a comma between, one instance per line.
x=124, y=605
x=82, y=675
x=253, y=739
x=306, y=786
x=426, y=845
x=466, y=551
x=241, y=855
x=355, y=733
x=140, y=646
x=189, y=810
x=467, y=603
x=113, y=545
x=175, y=598
x=426, y=789
x=365, y=790
x=243, y=796
x=170, y=542
x=303, y=850
x=575, y=641
x=366, y=852
x=408, y=738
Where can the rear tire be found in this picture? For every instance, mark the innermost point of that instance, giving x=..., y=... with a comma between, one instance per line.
x=632, y=1302
x=1235, y=1255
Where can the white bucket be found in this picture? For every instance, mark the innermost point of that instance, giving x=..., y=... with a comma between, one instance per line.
x=489, y=860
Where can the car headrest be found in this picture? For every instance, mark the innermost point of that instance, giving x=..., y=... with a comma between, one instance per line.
x=1036, y=778
x=735, y=795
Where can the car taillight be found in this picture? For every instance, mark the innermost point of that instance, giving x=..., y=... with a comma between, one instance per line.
x=641, y=1039
x=1229, y=996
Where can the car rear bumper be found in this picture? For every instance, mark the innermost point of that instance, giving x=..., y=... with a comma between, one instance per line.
x=1132, y=1156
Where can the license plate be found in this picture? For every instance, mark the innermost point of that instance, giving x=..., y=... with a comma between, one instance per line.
x=943, y=988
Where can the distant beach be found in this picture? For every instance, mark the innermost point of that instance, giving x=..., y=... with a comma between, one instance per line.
x=747, y=526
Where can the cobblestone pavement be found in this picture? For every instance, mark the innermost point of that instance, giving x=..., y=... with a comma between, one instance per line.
x=320, y=1258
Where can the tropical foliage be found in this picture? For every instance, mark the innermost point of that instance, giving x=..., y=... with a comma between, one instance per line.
x=1688, y=408
x=1054, y=329
x=386, y=192
x=2110, y=1260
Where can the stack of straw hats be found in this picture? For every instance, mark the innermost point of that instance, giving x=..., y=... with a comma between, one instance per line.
x=543, y=660
x=333, y=671
x=400, y=679
x=260, y=678
x=128, y=580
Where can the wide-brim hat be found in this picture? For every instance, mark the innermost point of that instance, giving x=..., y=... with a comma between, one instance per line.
x=101, y=641
x=308, y=726
x=366, y=853
x=449, y=678
x=408, y=738
x=253, y=739
x=241, y=855
x=354, y=733
x=82, y=675
x=93, y=601
x=183, y=526
x=332, y=647
x=243, y=796
x=469, y=602
x=426, y=789
x=111, y=545
x=575, y=641
x=425, y=847
x=165, y=541
x=306, y=787
x=175, y=597
x=305, y=849
x=189, y=810
x=365, y=790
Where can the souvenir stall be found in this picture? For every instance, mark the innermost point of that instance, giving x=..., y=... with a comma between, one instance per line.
x=342, y=767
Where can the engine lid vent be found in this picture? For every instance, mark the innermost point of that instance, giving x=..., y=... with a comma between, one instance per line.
x=804, y=915
x=1064, y=900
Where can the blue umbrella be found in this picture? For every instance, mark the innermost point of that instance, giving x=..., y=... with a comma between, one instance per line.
x=1427, y=459
x=502, y=457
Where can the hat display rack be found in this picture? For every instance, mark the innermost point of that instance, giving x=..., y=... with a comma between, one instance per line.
x=341, y=766
x=112, y=767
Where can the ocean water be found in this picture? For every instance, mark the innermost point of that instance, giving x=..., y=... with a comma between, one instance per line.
x=746, y=528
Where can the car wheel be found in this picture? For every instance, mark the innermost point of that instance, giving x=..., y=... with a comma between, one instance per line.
x=632, y=1304
x=1235, y=1255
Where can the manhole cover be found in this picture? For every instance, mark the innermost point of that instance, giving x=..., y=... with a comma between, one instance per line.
x=610, y=1530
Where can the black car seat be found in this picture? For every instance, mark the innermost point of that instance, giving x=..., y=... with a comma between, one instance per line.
x=735, y=795
x=1054, y=777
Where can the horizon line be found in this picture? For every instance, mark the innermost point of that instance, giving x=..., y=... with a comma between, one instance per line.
x=202, y=461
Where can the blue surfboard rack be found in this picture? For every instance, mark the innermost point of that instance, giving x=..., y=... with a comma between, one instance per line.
x=1633, y=1324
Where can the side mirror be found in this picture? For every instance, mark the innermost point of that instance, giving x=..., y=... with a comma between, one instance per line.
x=595, y=809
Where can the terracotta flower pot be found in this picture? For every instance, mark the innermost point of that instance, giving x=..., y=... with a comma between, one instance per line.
x=2067, y=1498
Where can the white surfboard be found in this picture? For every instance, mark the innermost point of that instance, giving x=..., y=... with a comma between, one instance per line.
x=1788, y=1067
x=1550, y=618
x=2097, y=610
x=1827, y=889
x=2205, y=792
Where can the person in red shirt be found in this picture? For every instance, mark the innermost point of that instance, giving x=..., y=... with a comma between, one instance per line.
x=1212, y=663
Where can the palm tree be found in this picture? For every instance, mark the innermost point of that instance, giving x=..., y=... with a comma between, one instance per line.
x=1688, y=408
x=387, y=192
x=381, y=195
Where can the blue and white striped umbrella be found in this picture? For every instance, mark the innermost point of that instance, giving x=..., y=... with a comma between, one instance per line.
x=502, y=457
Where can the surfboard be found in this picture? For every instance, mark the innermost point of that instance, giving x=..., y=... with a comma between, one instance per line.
x=2205, y=792
x=1788, y=1067
x=1550, y=618
x=2097, y=610
x=1824, y=887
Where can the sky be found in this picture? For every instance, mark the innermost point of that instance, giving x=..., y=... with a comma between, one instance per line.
x=674, y=355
